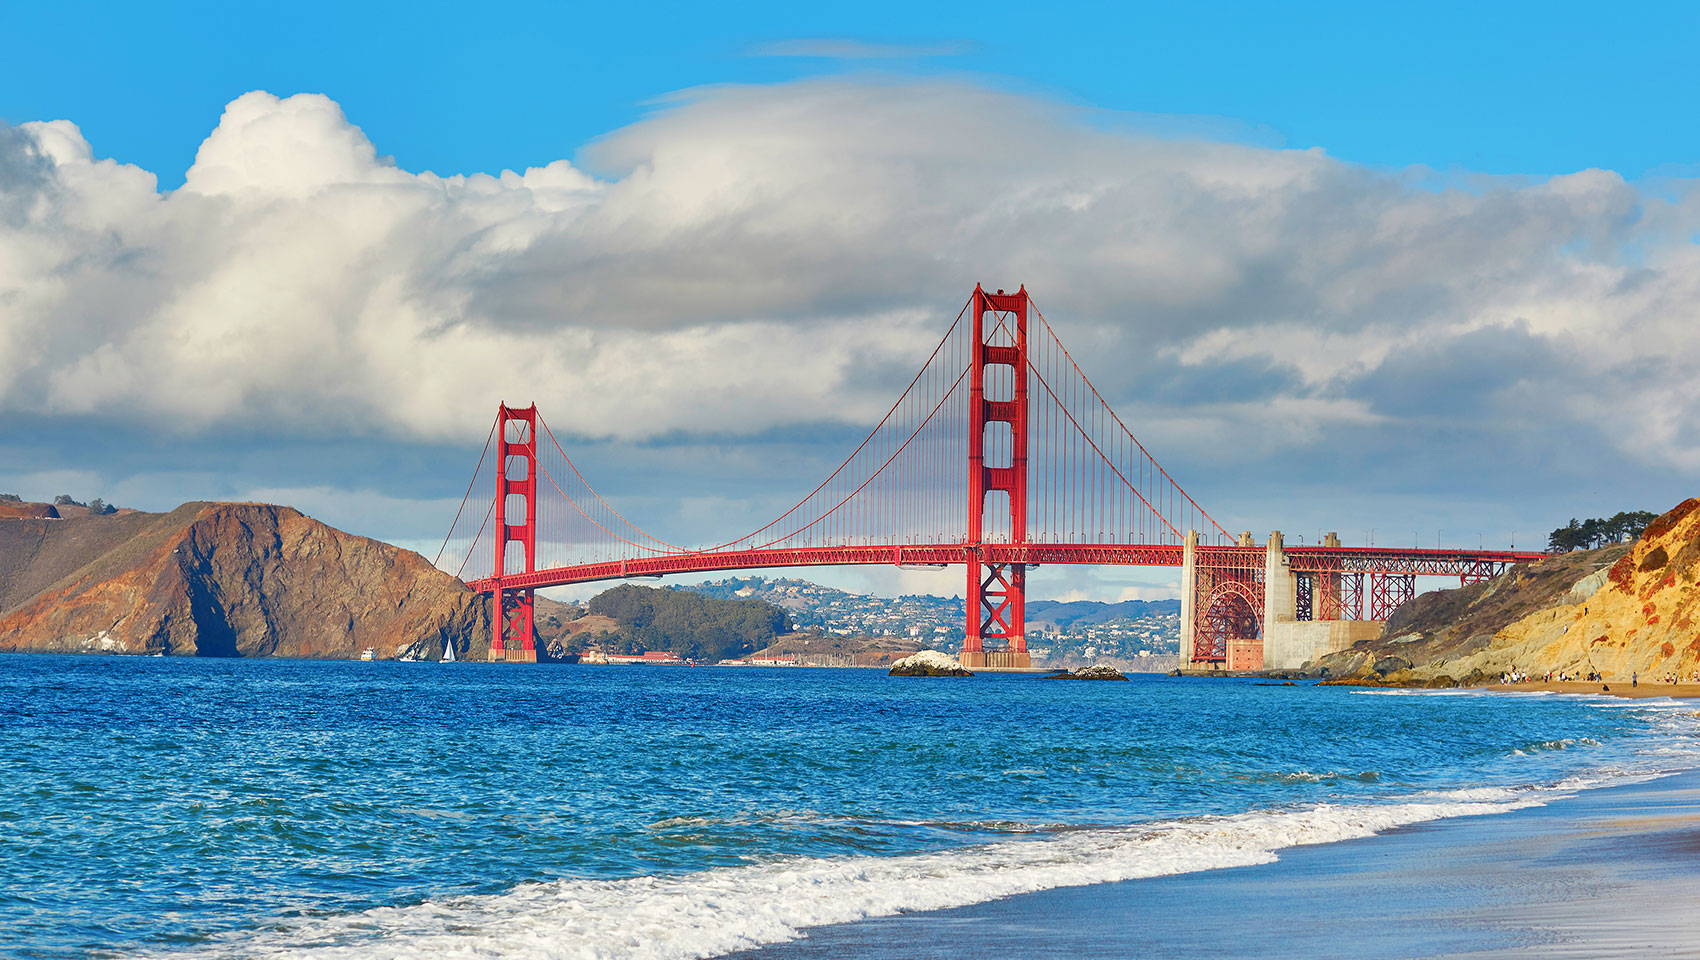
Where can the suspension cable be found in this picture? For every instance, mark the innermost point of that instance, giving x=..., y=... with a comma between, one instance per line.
x=469, y=485
x=1066, y=355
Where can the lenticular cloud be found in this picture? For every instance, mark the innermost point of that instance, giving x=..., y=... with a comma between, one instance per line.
x=751, y=257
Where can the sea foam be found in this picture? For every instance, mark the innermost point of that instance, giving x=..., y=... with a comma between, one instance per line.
x=713, y=912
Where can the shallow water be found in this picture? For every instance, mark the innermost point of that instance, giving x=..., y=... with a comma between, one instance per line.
x=258, y=808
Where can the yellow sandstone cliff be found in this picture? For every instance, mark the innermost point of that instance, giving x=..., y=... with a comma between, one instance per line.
x=1619, y=610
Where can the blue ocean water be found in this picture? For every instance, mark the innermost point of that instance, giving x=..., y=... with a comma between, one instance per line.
x=230, y=808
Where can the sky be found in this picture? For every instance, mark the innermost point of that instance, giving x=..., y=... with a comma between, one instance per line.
x=1416, y=273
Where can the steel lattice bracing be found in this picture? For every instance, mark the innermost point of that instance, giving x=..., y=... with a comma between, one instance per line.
x=999, y=455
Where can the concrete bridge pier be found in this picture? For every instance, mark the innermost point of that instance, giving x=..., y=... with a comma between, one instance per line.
x=1288, y=635
x=1288, y=641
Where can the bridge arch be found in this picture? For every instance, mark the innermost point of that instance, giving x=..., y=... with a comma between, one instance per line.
x=1233, y=614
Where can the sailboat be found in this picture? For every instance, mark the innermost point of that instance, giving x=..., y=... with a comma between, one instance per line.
x=448, y=653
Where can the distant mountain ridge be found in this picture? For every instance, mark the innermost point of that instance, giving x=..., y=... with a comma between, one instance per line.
x=1093, y=612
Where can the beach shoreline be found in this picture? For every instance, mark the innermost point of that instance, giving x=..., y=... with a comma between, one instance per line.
x=1600, y=873
x=1645, y=690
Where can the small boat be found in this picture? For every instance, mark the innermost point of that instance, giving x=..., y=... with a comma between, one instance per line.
x=370, y=653
x=448, y=653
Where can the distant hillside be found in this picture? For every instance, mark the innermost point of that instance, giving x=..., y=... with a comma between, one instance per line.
x=16, y=509
x=936, y=621
x=1619, y=609
x=223, y=579
x=1093, y=612
x=688, y=623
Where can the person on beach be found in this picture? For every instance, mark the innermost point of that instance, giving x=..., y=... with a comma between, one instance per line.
x=1634, y=679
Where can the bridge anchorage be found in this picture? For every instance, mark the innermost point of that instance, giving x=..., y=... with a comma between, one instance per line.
x=1000, y=456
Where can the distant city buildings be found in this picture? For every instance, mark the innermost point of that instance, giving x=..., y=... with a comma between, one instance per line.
x=1087, y=631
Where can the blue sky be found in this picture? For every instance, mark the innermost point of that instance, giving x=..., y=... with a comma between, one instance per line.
x=1520, y=88
x=1417, y=268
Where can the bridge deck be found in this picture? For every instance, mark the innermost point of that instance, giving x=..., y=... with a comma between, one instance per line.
x=1302, y=559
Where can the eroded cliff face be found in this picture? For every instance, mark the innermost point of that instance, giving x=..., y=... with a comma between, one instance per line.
x=1618, y=610
x=249, y=580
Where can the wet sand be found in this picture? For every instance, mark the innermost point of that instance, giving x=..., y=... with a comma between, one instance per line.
x=1606, y=873
x=1615, y=688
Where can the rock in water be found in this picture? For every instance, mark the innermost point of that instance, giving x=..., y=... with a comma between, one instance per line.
x=1097, y=671
x=929, y=663
x=224, y=580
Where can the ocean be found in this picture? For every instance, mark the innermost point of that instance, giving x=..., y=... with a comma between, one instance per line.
x=263, y=808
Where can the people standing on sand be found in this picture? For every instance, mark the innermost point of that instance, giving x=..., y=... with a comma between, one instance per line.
x=1634, y=679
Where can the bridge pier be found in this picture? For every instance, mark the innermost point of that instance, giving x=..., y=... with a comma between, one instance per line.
x=514, y=619
x=997, y=605
x=1295, y=615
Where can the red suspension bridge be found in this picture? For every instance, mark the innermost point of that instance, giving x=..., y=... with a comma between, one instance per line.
x=999, y=456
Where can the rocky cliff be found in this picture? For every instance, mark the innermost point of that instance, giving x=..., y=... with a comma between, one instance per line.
x=1617, y=610
x=224, y=579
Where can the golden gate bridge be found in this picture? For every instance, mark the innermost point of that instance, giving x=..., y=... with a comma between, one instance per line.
x=999, y=456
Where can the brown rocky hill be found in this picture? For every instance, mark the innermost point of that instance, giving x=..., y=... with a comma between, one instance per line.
x=1624, y=609
x=224, y=579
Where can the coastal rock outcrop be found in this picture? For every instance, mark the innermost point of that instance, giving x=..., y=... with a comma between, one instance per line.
x=1628, y=608
x=1097, y=671
x=929, y=663
x=224, y=579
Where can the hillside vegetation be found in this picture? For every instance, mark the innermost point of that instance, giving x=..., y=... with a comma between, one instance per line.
x=687, y=623
x=1617, y=610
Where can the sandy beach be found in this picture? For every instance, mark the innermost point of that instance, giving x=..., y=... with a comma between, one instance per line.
x=1605, y=873
x=1620, y=688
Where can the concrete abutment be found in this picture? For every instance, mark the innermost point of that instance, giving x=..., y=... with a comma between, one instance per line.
x=1284, y=640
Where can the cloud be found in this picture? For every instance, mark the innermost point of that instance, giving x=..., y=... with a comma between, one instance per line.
x=753, y=258
x=839, y=48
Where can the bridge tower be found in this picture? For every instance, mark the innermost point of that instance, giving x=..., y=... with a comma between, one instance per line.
x=997, y=592
x=516, y=484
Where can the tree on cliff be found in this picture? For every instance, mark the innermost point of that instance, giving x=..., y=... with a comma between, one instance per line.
x=687, y=623
x=1595, y=532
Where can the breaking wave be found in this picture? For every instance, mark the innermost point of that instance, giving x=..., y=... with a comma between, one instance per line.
x=713, y=912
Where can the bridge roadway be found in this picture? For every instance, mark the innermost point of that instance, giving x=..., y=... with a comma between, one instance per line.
x=1421, y=562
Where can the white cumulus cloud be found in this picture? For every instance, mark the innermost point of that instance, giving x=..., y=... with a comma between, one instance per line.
x=751, y=257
